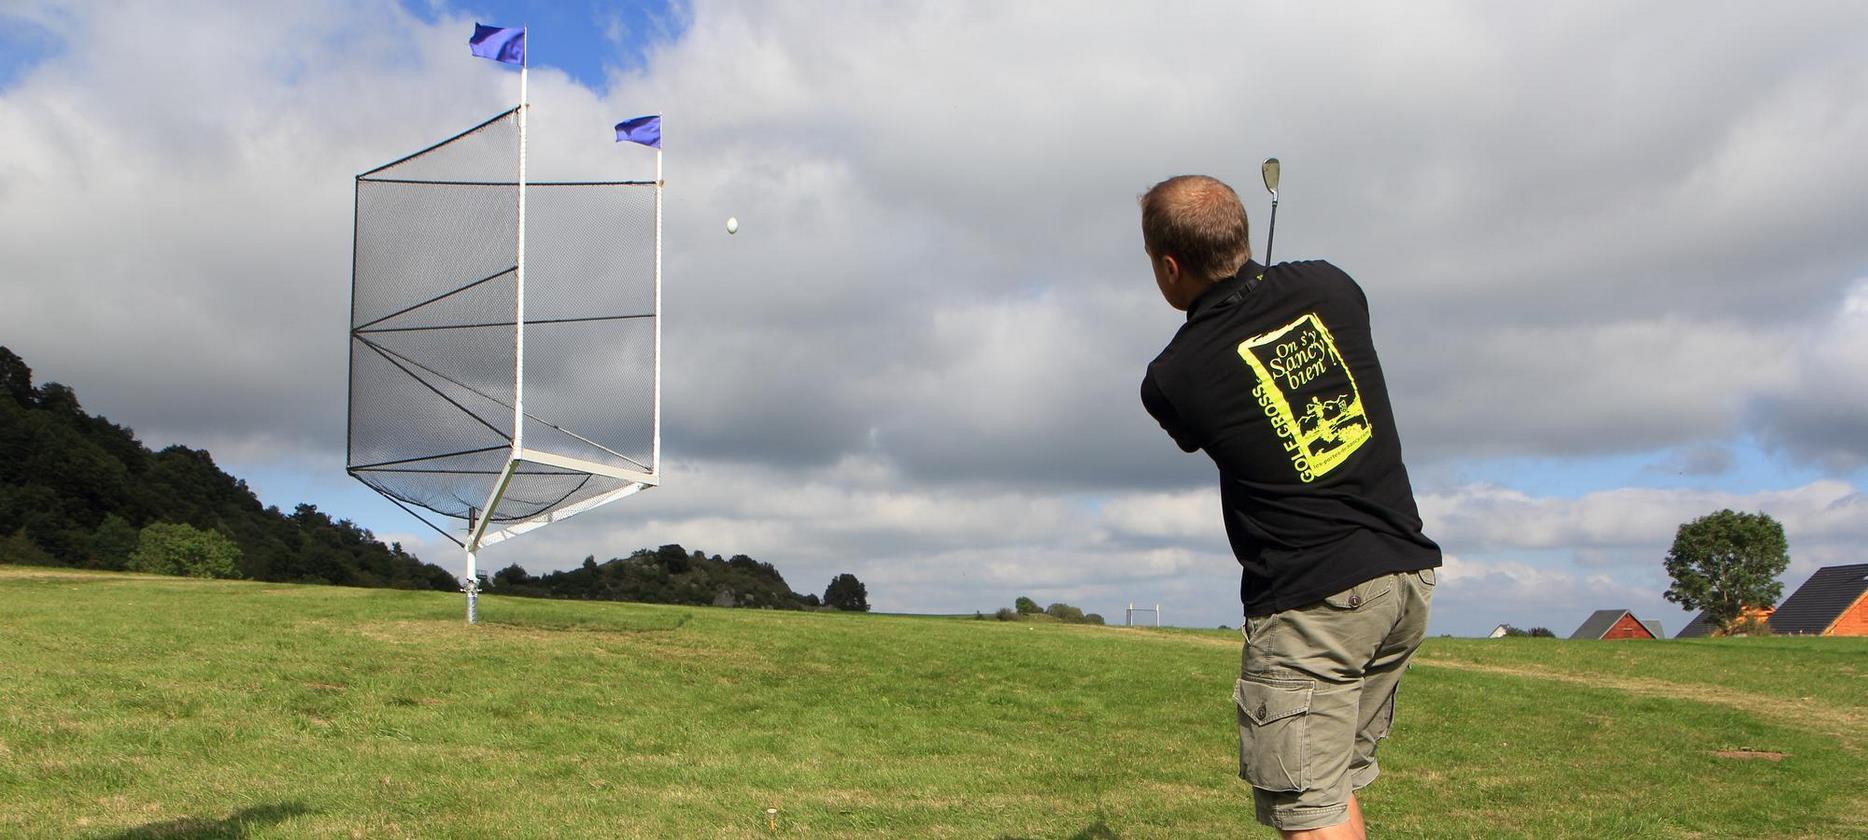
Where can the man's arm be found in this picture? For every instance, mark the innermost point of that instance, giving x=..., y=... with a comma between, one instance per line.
x=1163, y=411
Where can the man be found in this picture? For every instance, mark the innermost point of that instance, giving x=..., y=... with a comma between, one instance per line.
x=1274, y=376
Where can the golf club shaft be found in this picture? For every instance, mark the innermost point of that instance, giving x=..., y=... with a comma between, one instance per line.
x=1271, y=231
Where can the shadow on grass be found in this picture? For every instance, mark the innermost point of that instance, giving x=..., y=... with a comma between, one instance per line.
x=232, y=827
x=1098, y=830
x=591, y=624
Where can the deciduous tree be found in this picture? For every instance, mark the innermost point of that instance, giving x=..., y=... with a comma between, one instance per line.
x=171, y=548
x=847, y=593
x=1726, y=561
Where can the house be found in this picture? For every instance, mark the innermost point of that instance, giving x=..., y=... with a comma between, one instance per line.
x=1499, y=632
x=1614, y=624
x=1833, y=602
x=1700, y=628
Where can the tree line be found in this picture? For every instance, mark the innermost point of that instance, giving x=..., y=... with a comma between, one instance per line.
x=80, y=491
x=673, y=575
x=1025, y=609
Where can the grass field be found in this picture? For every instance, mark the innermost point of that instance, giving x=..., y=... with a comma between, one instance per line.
x=159, y=707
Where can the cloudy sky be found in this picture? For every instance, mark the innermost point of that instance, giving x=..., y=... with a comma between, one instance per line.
x=1614, y=253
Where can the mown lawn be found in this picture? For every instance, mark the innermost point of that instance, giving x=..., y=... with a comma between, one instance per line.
x=158, y=707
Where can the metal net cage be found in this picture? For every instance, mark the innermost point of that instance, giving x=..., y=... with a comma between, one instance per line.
x=503, y=341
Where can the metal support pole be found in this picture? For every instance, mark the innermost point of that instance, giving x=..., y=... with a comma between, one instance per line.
x=518, y=341
x=655, y=446
x=471, y=585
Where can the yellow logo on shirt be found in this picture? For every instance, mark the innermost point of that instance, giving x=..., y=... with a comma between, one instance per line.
x=1309, y=395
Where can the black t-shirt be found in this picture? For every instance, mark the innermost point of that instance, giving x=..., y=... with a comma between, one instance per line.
x=1277, y=380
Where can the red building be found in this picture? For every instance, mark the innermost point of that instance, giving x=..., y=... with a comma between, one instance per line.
x=1615, y=624
x=1833, y=602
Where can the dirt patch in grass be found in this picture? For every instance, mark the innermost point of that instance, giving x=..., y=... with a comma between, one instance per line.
x=617, y=624
x=1847, y=726
x=1762, y=755
x=44, y=573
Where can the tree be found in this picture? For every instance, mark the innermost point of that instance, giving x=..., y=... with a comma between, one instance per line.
x=1726, y=561
x=847, y=593
x=1026, y=606
x=20, y=549
x=16, y=379
x=113, y=543
x=1064, y=612
x=1542, y=633
x=170, y=548
x=674, y=558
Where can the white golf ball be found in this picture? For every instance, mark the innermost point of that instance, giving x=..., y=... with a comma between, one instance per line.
x=732, y=224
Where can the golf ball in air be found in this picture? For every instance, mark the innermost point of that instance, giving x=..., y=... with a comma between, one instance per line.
x=732, y=224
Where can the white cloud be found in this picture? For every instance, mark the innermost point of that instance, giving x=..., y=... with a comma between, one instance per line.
x=1489, y=517
x=1821, y=412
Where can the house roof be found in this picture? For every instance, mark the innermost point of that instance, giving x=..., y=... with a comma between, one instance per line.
x=1702, y=627
x=1653, y=627
x=1821, y=599
x=1698, y=628
x=1598, y=624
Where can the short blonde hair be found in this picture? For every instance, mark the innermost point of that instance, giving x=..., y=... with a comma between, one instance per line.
x=1198, y=221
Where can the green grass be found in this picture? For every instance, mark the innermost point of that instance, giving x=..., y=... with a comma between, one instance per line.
x=159, y=707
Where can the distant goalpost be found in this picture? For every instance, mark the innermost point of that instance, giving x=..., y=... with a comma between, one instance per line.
x=505, y=339
x=1129, y=619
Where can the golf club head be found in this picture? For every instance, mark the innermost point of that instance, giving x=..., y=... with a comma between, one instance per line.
x=1270, y=170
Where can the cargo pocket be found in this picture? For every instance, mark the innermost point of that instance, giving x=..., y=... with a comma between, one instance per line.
x=1384, y=721
x=1366, y=592
x=1274, y=719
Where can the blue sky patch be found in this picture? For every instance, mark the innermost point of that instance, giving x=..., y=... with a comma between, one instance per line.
x=584, y=39
x=23, y=46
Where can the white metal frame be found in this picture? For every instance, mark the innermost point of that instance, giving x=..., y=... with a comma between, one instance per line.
x=1128, y=620
x=481, y=534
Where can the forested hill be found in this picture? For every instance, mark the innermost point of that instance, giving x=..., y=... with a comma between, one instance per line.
x=78, y=490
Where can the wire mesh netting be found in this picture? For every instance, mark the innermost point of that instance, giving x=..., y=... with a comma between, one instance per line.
x=437, y=326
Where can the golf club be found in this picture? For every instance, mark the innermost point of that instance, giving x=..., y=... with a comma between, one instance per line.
x=1270, y=170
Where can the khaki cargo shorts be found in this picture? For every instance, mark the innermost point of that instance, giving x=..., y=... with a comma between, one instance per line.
x=1316, y=695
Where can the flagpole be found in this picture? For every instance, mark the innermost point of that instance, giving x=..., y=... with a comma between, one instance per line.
x=518, y=336
x=472, y=582
x=655, y=454
x=518, y=385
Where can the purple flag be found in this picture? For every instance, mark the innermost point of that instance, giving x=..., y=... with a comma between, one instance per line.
x=644, y=130
x=500, y=44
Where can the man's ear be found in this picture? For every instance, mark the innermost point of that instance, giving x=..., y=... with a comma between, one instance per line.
x=1170, y=267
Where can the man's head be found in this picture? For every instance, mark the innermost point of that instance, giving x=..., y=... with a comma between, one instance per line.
x=1195, y=232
